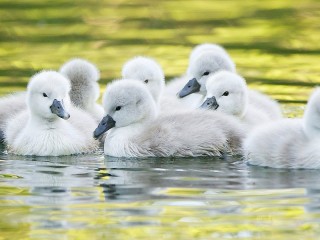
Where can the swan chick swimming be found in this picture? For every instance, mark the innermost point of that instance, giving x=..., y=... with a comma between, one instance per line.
x=205, y=64
x=46, y=128
x=287, y=143
x=227, y=92
x=147, y=71
x=85, y=90
x=134, y=128
x=175, y=85
x=150, y=73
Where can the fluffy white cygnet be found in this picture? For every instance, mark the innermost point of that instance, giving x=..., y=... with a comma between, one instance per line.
x=204, y=65
x=227, y=92
x=85, y=90
x=147, y=71
x=220, y=58
x=288, y=143
x=150, y=73
x=134, y=130
x=207, y=63
x=46, y=128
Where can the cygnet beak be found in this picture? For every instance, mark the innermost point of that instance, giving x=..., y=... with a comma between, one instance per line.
x=58, y=109
x=191, y=87
x=106, y=123
x=210, y=103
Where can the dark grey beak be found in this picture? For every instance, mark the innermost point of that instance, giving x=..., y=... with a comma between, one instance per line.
x=106, y=123
x=191, y=87
x=210, y=103
x=58, y=109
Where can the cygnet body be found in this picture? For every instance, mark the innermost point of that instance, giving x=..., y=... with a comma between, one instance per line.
x=287, y=143
x=175, y=85
x=46, y=128
x=150, y=73
x=11, y=105
x=135, y=130
x=85, y=89
x=227, y=92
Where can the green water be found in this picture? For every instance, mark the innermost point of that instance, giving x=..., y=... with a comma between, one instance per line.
x=275, y=45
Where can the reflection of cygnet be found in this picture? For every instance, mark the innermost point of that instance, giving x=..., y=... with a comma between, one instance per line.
x=85, y=89
x=135, y=131
x=149, y=72
x=227, y=92
x=45, y=128
x=288, y=143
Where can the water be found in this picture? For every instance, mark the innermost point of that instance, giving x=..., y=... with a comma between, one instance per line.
x=90, y=196
x=275, y=45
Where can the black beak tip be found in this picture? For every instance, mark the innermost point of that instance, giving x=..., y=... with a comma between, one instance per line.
x=96, y=135
x=105, y=125
x=180, y=95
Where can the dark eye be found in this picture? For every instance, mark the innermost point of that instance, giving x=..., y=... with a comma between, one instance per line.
x=44, y=94
x=226, y=93
x=118, y=108
x=205, y=73
x=146, y=81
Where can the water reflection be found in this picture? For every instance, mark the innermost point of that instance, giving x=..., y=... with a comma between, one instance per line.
x=220, y=196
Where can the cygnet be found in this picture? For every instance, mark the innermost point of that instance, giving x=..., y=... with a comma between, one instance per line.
x=150, y=73
x=227, y=92
x=46, y=128
x=287, y=143
x=135, y=130
x=85, y=90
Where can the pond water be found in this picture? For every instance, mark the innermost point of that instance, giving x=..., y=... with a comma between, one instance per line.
x=275, y=45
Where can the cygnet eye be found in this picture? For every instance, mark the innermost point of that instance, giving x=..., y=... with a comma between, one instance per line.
x=118, y=108
x=146, y=81
x=226, y=93
x=44, y=94
x=205, y=73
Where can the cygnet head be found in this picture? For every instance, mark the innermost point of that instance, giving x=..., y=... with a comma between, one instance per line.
x=205, y=47
x=126, y=102
x=47, y=95
x=311, y=117
x=204, y=65
x=226, y=92
x=83, y=76
x=147, y=71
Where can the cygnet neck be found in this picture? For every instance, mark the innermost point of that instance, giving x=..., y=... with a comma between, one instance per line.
x=311, y=118
x=46, y=123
